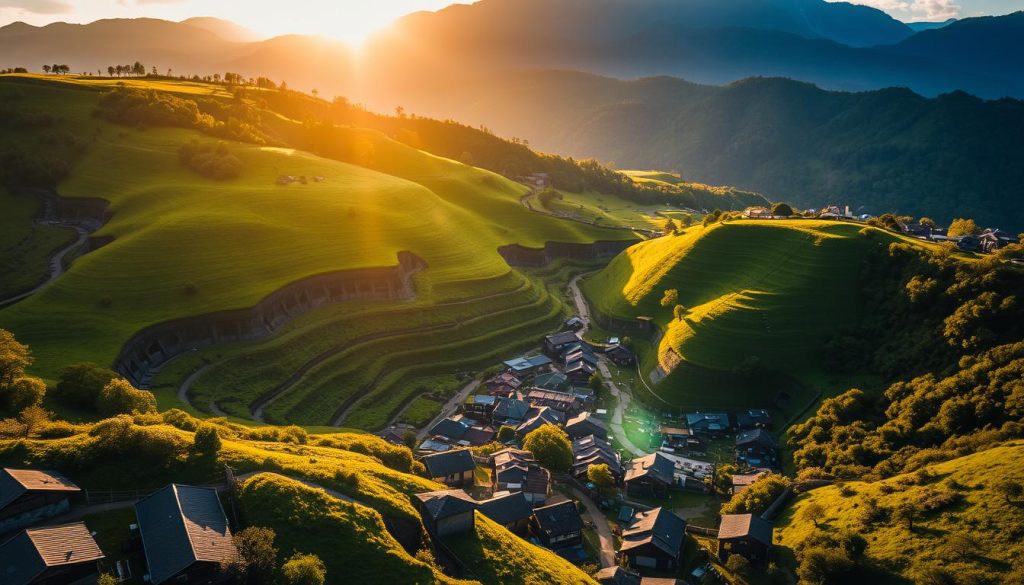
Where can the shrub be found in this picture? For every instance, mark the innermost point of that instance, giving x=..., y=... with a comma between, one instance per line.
x=79, y=385
x=22, y=393
x=180, y=419
x=758, y=497
x=57, y=429
x=304, y=569
x=210, y=160
x=551, y=446
x=206, y=440
x=120, y=397
x=739, y=565
x=257, y=554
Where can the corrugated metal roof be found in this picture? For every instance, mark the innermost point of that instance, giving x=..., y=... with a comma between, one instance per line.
x=181, y=525
x=15, y=482
x=25, y=556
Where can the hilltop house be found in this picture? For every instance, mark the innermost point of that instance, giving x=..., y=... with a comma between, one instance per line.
x=185, y=535
x=446, y=512
x=584, y=425
x=511, y=510
x=711, y=424
x=741, y=481
x=50, y=555
x=654, y=539
x=558, y=525
x=454, y=468
x=575, y=323
x=28, y=496
x=994, y=239
x=649, y=476
x=836, y=212
x=758, y=213
x=556, y=344
x=593, y=450
x=746, y=535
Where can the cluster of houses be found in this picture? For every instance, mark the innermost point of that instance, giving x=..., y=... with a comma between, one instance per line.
x=987, y=242
x=182, y=531
x=301, y=179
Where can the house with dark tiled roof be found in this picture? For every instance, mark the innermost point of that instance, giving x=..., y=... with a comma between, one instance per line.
x=556, y=344
x=624, y=576
x=755, y=418
x=620, y=355
x=580, y=371
x=556, y=381
x=50, y=555
x=454, y=467
x=649, y=476
x=742, y=481
x=757, y=447
x=28, y=496
x=480, y=406
x=511, y=510
x=654, y=539
x=185, y=535
x=593, y=450
x=537, y=418
x=504, y=384
x=515, y=470
x=510, y=411
x=524, y=366
x=558, y=525
x=446, y=512
x=451, y=429
x=564, y=402
x=584, y=425
x=746, y=535
x=708, y=423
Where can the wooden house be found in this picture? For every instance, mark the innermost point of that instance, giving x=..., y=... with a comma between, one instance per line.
x=585, y=425
x=556, y=344
x=649, y=476
x=50, y=555
x=593, y=450
x=746, y=535
x=185, y=535
x=28, y=496
x=620, y=356
x=454, y=468
x=447, y=512
x=558, y=525
x=654, y=539
x=511, y=510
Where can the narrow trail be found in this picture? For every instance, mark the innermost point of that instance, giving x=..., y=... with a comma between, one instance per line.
x=604, y=534
x=56, y=264
x=459, y=398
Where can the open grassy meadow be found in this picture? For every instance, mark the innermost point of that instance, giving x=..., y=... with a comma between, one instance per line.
x=181, y=244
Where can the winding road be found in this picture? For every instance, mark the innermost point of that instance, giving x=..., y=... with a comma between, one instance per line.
x=604, y=534
x=56, y=264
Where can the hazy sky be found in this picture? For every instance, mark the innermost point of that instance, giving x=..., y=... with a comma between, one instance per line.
x=354, y=19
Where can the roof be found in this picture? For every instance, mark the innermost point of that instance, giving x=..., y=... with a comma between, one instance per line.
x=551, y=381
x=16, y=482
x=511, y=408
x=451, y=428
x=707, y=420
x=527, y=363
x=562, y=338
x=655, y=466
x=449, y=462
x=660, y=527
x=537, y=480
x=479, y=435
x=745, y=526
x=507, y=456
x=25, y=556
x=446, y=503
x=506, y=508
x=617, y=576
x=758, y=437
x=544, y=416
x=580, y=366
x=580, y=356
x=586, y=422
x=673, y=431
x=558, y=518
x=741, y=481
x=482, y=399
x=180, y=525
x=505, y=379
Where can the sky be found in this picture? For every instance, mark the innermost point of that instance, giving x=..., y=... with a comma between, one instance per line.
x=353, y=20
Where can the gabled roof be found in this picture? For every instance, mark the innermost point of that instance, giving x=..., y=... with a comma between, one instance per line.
x=587, y=423
x=537, y=480
x=551, y=381
x=508, y=456
x=511, y=408
x=745, y=526
x=449, y=462
x=707, y=420
x=25, y=556
x=445, y=503
x=181, y=525
x=559, y=518
x=617, y=576
x=756, y=437
x=655, y=466
x=14, y=483
x=527, y=363
x=580, y=366
x=660, y=527
x=506, y=508
x=543, y=416
x=562, y=338
x=479, y=435
x=451, y=428
x=620, y=351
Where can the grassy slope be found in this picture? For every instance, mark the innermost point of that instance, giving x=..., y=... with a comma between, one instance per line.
x=983, y=514
x=775, y=290
x=239, y=240
x=25, y=246
x=495, y=555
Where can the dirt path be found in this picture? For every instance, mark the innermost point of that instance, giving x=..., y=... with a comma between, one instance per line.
x=190, y=380
x=622, y=396
x=453, y=402
x=56, y=267
x=604, y=534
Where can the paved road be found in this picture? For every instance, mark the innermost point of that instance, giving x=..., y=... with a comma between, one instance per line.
x=449, y=406
x=56, y=267
x=604, y=534
x=622, y=396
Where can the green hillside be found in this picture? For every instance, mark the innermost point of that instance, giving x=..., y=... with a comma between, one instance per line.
x=760, y=299
x=965, y=529
x=181, y=244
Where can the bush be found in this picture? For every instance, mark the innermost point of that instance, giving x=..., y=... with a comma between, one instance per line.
x=758, y=497
x=738, y=565
x=206, y=440
x=120, y=397
x=79, y=385
x=304, y=569
x=551, y=446
x=22, y=393
x=210, y=160
x=58, y=429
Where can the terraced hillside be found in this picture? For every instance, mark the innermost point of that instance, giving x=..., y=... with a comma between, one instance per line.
x=178, y=245
x=966, y=528
x=347, y=498
x=759, y=298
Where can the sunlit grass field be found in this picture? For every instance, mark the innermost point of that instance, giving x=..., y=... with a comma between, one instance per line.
x=187, y=245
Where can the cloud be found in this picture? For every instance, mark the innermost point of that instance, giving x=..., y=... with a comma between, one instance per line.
x=925, y=9
x=38, y=6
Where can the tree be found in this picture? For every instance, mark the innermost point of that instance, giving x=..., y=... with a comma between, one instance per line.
x=107, y=579
x=782, y=210
x=257, y=554
x=32, y=418
x=120, y=397
x=670, y=227
x=679, y=312
x=304, y=569
x=1009, y=489
x=927, y=222
x=506, y=433
x=551, y=446
x=811, y=512
x=601, y=476
x=963, y=544
x=739, y=565
x=22, y=393
x=111, y=70
x=410, y=440
x=962, y=227
x=14, y=358
x=670, y=297
x=206, y=440
x=823, y=566
x=46, y=68
x=905, y=512
x=596, y=382
x=79, y=385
